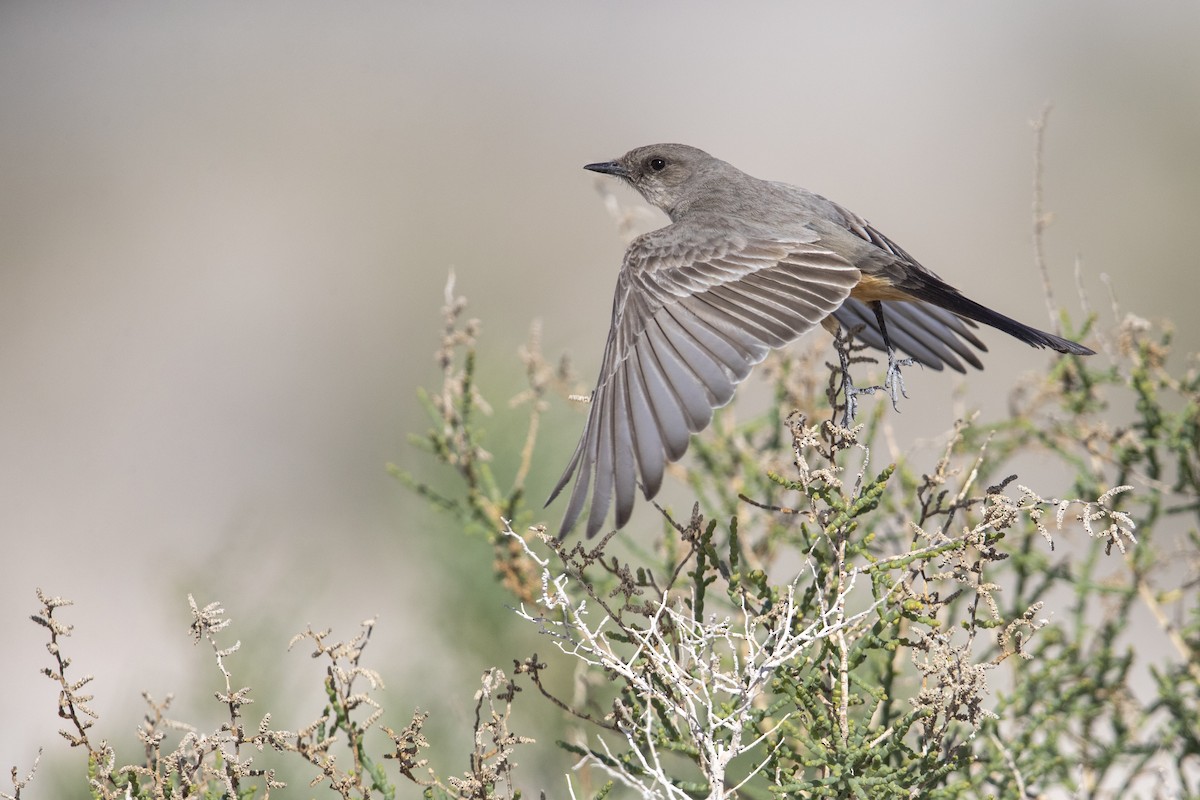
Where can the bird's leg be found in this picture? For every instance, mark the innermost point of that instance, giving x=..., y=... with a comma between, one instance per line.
x=849, y=391
x=840, y=379
x=893, y=382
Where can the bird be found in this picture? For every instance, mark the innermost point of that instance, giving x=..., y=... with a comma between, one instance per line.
x=744, y=267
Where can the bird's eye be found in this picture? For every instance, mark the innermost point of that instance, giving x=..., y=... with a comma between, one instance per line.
x=657, y=164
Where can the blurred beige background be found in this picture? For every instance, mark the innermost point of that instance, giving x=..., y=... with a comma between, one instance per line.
x=225, y=228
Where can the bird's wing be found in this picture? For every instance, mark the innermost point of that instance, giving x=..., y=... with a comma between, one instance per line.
x=901, y=260
x=929, y=297
x=933, y=336
x=691, y=316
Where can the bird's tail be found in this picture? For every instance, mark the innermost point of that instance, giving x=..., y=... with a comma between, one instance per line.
x=941, y=294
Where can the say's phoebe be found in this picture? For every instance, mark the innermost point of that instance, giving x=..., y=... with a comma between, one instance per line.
x=746, y=265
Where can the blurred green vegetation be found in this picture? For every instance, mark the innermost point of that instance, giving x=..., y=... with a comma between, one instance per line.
x=856, y=628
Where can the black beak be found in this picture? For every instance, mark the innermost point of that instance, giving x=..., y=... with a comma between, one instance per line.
x=608, y=168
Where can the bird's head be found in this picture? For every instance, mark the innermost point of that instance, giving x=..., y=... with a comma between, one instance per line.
x=664, y=174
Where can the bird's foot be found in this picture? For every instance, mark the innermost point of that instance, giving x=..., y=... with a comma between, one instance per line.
x=850, y=392
x=893, y=384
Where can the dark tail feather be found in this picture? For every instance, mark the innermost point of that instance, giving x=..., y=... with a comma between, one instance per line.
x=945, y=296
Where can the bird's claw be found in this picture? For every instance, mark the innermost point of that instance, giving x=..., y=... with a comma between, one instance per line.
x=893, y=384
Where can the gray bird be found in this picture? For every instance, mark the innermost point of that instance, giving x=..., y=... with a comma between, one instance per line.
x=745, y=266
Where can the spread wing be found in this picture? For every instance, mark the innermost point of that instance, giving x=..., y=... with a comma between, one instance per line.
x=691, y=316
x=936, y=326
x=933, y=336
